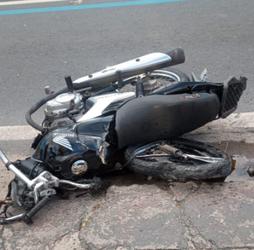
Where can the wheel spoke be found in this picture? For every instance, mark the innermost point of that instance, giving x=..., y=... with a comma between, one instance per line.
x=156, y=151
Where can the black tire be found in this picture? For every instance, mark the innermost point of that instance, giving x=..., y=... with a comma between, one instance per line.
x=172, y=169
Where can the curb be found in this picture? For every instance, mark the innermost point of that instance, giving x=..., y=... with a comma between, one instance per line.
x=238, y=127
x=17, y=133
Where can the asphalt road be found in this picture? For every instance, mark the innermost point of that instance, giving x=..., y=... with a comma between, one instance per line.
x=38, y=49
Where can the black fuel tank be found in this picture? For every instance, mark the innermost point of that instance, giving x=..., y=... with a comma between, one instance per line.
x=158, y=117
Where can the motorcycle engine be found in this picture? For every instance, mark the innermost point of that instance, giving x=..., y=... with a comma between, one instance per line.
x=67, y=105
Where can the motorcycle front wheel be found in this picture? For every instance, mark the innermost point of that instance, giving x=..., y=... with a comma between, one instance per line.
x=187, y=160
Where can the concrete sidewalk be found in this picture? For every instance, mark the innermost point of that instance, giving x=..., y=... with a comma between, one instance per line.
x=144, y=216
x=138, y=214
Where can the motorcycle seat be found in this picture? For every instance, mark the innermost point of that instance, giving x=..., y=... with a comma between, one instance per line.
x=157, y=117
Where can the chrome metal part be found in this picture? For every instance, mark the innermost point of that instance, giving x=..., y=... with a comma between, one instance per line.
x=79, y=167
x=48, y=192
x=58, y=106
x=133, y=67
x=12, y=218
x=20, y=175
x=166, y=74
x=206, y=159
x=203, y=75
x=77, y=185
x=202, y=78
x=37, y=187
x=173, y=151
x=152, y=155
x=44, y=178
x=3, y=157
x=40, y=188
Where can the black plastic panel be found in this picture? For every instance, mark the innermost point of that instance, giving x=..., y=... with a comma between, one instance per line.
x=158, y=117
x=233, y=90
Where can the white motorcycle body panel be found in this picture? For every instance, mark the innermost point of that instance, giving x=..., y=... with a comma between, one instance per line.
x=101, y=102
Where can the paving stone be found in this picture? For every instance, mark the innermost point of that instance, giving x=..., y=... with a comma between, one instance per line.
x=139, y=216
x=223, y=213
x=69, y=241
x=50, y=225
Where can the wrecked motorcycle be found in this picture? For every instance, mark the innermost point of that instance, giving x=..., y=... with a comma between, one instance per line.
x=93, y=127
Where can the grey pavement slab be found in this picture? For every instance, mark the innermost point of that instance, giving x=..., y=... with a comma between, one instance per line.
x=135, y=213
x=14, y=150
x=144, y=216
x=223, y=214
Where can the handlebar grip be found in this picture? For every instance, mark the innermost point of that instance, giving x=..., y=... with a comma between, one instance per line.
x=28, y=216
x=177, y=56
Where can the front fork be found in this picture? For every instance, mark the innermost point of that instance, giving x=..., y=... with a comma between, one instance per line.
x=42, y=188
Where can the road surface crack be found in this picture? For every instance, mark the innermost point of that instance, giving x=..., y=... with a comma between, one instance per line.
x=194, y=238
x=87, y=217
x=59, y=238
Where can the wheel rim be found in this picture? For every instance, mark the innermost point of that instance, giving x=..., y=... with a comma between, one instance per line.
x=160, y=79
x=152, y=153
x=166, y=75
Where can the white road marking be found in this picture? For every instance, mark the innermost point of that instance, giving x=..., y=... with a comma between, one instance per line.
x=237, y=121
x=29, y=2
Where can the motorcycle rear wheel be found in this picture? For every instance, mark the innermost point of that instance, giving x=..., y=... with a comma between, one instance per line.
x=171, y=74
x=166, y=77
x=173, y=168
x=160, y=79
